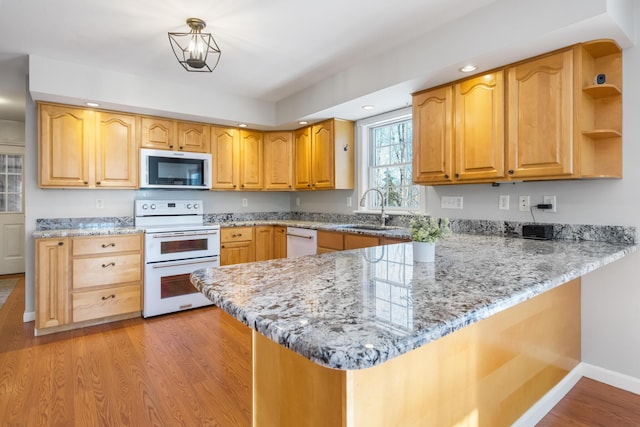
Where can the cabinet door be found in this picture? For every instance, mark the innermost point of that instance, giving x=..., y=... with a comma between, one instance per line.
x=322, y=156
x=52, y=282
x=251, y=173
x=433, y=136
x=540, y=116
x=278, y=160
x=158, y=133
x=264, y=242
x=224, y=152
x=193, y=137
x=479, y=128
x=116, y=151
x=279, y=242
x=65, y=144
x=237, y=253
x=302, y=142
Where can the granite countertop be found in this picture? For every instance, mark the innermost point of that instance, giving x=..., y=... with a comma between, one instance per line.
x=356, y=309
x=89, y=231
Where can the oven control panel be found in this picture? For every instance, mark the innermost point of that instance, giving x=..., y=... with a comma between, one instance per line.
x=168, y=207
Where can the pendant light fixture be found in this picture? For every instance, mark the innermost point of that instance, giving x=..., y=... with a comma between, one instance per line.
x=195, y=51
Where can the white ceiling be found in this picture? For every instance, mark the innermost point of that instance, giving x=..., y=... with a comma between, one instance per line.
x=271, y=50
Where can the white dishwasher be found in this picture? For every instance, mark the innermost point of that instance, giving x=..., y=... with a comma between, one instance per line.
x=301, y=241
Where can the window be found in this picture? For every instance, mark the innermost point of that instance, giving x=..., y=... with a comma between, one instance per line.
x=10, y=183
x=386, y=160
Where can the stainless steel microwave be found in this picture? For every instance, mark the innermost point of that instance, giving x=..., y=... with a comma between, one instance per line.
x=174, y=169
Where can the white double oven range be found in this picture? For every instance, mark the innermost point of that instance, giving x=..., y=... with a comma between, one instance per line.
x=176, y=243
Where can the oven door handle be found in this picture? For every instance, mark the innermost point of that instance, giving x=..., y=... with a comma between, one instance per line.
x=169, y=235
x=179, y=263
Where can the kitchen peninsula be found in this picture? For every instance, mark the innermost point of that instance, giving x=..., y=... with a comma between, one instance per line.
x=368, y=337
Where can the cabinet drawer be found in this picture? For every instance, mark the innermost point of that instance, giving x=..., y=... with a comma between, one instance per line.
x=357, y=241
x=107, y=270
x=106, y=302
x=97, y=245
x=236, y=234
x=331, y=240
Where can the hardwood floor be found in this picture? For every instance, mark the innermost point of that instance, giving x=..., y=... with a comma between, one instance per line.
x=592, y=403
x=184, y=369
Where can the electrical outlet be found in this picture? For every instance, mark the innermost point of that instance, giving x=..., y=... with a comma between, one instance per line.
x=503, y=203
x=348, y=201
x=524, y=203
x=297, y=201
x=99, y=203
x=550, y=200
x=245, y=203
x=451, y=202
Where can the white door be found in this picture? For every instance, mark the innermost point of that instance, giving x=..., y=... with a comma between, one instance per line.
x=12, y=236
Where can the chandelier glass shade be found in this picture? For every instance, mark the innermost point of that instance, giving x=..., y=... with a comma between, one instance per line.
x=195, y=51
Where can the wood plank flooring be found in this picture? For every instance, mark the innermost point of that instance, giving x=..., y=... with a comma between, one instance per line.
x=183, y=369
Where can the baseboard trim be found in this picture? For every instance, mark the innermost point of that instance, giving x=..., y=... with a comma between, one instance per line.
x=615, y=379
x=549, y=400
x=29, y=316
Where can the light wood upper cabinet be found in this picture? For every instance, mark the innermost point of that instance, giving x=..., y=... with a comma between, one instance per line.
x=116, y=150
x=302, y=144
x=540, y=117
x=158, y=133
x=278, y=161
x=52, y=283
x=548, y=119
x=479, y=128
x=433, y=136
x=225, y=158
x=66, y=138
x=251, y=160
x=193, y=137
x=86, y=148
x=324, y=156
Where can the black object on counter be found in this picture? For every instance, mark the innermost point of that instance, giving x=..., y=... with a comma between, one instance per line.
x=537, y=231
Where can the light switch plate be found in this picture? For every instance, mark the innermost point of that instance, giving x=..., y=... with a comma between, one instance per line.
x=503, y=203
x=451, y=202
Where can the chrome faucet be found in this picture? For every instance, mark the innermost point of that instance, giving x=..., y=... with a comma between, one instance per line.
x=383, y=217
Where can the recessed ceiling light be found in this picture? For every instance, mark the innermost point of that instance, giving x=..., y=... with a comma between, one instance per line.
x=302, y=122
x=468, y=68
x=91, y=104
x=242, y=125
x=367, y=107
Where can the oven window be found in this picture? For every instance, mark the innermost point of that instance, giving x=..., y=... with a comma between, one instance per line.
x=175, y=286
x=179, y=246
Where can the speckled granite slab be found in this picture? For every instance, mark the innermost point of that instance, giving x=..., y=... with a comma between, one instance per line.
x=356, y=309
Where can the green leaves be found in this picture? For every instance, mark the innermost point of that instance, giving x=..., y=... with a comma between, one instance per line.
x=424, y=228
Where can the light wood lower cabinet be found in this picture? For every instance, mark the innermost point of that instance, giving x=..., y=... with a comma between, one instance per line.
x=279, y=241
x=87, y=280
x=264, y=242
x=52, y=282
x=236, y=245
x=332, y=241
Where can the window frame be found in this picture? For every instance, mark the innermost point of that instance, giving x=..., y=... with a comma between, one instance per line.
x=363, y=132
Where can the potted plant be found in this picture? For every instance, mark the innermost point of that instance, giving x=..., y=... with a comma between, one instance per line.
x=425, y=231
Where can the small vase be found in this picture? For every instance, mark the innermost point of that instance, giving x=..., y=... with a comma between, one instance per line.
x=424, y=251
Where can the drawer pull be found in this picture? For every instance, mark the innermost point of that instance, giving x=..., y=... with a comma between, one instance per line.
x=110, y=245
x=108, y=297
x=111, y=264
x=237, y=235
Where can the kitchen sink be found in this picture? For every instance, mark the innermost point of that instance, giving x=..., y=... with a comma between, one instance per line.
x=368, y=227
